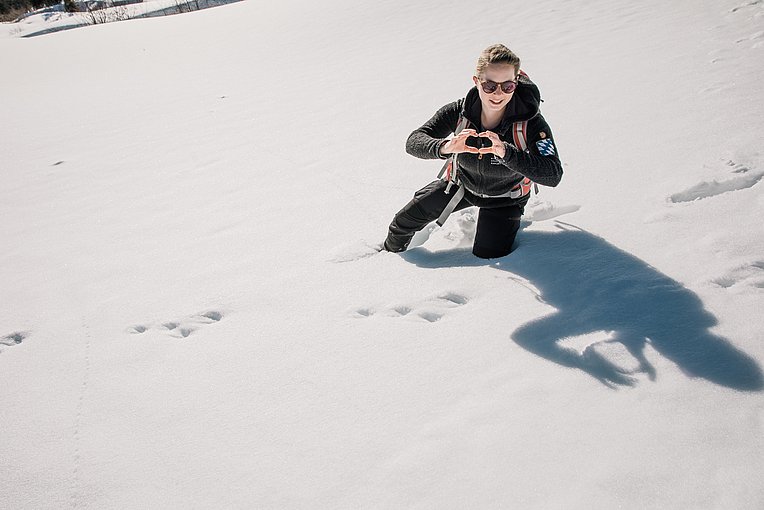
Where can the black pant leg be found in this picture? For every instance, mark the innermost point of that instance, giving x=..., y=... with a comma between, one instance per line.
x=426, y=206
x=496, y=231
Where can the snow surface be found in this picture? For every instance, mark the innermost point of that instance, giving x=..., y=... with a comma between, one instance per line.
x=192, y=314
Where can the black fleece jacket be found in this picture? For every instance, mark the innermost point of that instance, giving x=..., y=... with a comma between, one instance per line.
x=490, y=175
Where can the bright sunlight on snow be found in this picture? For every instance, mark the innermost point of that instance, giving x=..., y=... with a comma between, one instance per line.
x=193, y=313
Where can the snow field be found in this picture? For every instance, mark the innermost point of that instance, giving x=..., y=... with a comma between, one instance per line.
x=191, y=316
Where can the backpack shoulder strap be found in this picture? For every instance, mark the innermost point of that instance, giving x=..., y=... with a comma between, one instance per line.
x=448, y=170
x=520, y=134
x=461, y=124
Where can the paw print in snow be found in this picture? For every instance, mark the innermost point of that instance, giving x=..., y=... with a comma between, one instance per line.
x=182, y=328
x=13, y=338
x=430, y=310
x=751, y=275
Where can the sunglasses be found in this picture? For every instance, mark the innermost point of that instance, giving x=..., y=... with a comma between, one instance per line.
x=489, y=87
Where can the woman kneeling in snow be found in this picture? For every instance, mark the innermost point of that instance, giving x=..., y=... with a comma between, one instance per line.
x=500, y=119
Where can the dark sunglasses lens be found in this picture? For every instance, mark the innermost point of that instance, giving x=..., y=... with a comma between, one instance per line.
x=489, y=86
x=508, y=86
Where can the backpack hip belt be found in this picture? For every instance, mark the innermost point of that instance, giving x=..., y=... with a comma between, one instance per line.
x=519, y=190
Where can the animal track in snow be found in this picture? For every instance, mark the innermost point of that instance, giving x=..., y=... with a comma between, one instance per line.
x=746, y=179
x=182, y=328
x=430, y=310
x=13, y=338
x=746, y=5
x=749, y=274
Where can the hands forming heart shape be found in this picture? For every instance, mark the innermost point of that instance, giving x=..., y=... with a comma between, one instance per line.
x=478, y=142
x=469, y=140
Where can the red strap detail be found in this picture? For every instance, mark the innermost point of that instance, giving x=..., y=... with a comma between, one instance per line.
x=526, y=186
x=515, y=136
x=519, y=135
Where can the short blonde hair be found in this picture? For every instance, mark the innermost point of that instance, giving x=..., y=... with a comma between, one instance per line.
x=496, y=54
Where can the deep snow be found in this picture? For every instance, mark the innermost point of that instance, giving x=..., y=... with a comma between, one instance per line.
x=191, y=315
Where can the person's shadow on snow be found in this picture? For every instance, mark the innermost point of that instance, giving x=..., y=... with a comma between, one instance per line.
x=597, y=287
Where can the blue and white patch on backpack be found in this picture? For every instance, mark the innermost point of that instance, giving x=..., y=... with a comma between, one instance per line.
x=545, y=147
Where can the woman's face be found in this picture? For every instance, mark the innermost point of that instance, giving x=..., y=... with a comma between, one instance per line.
x=497, y=73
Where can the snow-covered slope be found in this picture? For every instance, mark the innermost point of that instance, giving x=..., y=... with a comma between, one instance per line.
x=191, y=317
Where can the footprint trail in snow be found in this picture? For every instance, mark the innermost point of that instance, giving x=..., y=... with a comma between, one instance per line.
x=430, y=310
x=182, y=328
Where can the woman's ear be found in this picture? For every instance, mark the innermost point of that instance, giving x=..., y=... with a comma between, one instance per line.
x=475, y=80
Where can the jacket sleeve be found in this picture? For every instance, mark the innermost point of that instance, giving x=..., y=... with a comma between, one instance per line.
x=541, y=162
x=425, y=141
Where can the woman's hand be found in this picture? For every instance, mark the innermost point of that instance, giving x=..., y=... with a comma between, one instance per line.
x=458, y=144
x=497, y=145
